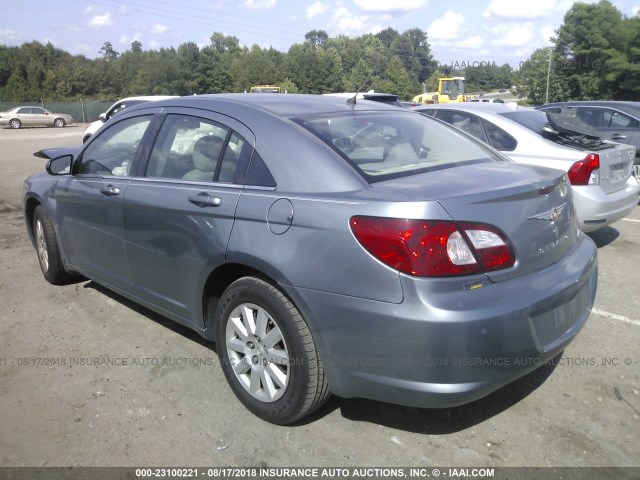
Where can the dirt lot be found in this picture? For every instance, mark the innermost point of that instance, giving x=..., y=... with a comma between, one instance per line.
x=143, y=391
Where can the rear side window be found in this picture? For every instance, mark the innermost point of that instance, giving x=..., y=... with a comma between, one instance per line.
x=384, y=145
x=499, y=139
x=198, y=149
x=620, y=120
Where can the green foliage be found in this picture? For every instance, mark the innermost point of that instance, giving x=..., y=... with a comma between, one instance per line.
x=531, y=80
x=488, y=77
x=596, y=56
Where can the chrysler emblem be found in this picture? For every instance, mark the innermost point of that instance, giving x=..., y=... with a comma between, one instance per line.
x=552, y=215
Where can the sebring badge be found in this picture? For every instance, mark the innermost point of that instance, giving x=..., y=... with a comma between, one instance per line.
x=552, y=215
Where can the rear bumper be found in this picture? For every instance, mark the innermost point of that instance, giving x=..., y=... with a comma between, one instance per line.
x=597, y=209
x=441, y=348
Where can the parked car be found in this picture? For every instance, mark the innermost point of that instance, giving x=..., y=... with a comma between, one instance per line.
x=601, y=172
x=325, y=246
x=33, y=117
x=118, y=107
x=616, y=121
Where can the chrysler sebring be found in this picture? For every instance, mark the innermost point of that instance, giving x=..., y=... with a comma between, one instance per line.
x=325, y=244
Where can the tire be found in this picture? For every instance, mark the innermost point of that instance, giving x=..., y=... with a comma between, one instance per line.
x=267, y=353
x=15, y=123
x=59, y=122
x=47, y=247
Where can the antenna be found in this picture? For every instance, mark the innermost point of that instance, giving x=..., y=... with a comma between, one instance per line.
x=352, y=100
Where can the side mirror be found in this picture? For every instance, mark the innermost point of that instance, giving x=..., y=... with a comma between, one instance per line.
x=60, y=165
x=103, y=116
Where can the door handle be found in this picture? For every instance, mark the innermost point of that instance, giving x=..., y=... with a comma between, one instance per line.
x=204, y=200
x=617, y=136
x=110, y=190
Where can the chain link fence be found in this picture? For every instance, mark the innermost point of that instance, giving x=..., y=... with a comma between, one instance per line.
x=82, y=112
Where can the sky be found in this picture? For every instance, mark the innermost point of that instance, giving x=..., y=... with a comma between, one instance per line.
x=461, y=33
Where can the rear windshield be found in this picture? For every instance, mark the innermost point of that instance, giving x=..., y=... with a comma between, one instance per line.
x=385, y=145
x=534, y=120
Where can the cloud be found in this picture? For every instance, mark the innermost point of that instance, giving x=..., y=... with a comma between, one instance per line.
x=447, y=27
x=159, y=29
x=390, y=6
x=83, y=49
x=513, y=35
x=9, y=35
x=99, y=21
x=127, y=40
x=635, y=10
x=348, y=23
x=315, y=9
x=547, y=32
x=260, y=4
x=520, y=10
x=472, y=43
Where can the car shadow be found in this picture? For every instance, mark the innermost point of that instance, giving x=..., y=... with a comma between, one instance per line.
x=151, y=315
x=442, y=421
x=412, y=419
x=604, y=236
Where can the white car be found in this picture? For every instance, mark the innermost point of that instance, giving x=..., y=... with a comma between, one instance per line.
x=118, y=107
x=600, y=171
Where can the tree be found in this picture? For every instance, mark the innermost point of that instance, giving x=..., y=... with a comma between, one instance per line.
x=591, y=41
x=531, y=79
x=107, y=51
x=316, y=37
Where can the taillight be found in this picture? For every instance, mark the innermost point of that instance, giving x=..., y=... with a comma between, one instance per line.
x=436, y=248
x=586, y=172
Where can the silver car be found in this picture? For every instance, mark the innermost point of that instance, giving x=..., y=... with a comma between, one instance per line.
x=33, y=117
x=325, y=245
x=601, y=172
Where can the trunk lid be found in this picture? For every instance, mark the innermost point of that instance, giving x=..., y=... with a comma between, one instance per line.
x=532, y=206
x=616, y=166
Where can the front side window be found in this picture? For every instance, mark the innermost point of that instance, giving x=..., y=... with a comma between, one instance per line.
x=383, y=145
x=113, y=151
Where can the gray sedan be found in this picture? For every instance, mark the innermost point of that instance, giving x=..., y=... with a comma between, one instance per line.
x=325, y=245
x=601, y=172
x=613, y=120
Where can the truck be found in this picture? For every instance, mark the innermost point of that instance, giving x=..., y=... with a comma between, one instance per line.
x=450, y=89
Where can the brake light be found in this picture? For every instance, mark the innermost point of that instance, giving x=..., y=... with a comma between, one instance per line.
x=586, y=172
x=435, y=248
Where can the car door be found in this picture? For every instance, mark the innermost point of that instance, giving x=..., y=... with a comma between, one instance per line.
x=89, y=202
x=612, y=124
x=25, y=116
x=39, y=116
x=179, y=210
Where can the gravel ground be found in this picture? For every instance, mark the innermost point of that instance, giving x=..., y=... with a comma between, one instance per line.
x=145, y=391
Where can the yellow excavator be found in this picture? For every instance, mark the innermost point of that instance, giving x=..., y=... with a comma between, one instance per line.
x=450, y=89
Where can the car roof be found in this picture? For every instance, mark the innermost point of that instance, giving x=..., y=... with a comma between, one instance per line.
x=146, y=97
x=474, y=107
x=625, y=106
x=282, y=105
